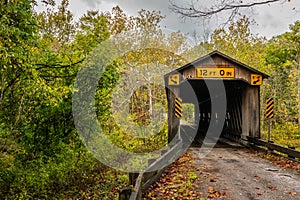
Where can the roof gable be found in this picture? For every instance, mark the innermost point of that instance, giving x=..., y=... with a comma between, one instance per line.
x=222, y=56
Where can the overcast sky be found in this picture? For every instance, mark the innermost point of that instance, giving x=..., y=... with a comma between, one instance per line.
x=272, y=19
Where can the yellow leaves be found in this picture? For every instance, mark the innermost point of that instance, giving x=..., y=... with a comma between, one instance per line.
x=287, y=64
x=34, y=50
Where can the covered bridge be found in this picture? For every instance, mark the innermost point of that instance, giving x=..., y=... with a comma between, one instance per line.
x=216, y=78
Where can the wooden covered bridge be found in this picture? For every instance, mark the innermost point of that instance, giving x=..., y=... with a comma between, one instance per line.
x=215, y=76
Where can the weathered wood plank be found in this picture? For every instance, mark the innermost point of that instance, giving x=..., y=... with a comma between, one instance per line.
x=173, y=121
x=250, y=112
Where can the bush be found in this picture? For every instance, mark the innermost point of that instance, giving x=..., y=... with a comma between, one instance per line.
x=46, y=177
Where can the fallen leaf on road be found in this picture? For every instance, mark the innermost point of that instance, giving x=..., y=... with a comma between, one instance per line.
x=272, y=188
x=210, y=189
x=293, y=193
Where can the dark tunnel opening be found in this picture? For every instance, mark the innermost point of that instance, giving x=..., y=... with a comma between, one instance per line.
x=203, y=117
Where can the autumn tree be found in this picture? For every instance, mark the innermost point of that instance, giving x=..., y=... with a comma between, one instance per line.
x=144, y=50
x=237, y=41
x=40, y=56
x=282, y=61
x=17, y=46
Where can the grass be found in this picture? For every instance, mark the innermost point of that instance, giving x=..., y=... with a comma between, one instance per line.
x=284, y=134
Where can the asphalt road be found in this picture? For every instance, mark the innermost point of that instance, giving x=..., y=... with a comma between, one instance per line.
x=231, y=172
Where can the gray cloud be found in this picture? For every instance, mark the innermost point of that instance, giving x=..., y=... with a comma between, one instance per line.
x=131, y=7
x=272, y=20
x=92, y=3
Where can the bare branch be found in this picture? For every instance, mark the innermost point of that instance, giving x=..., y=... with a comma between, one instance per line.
x=49, y=2
x=193, y=11
x=57, y=65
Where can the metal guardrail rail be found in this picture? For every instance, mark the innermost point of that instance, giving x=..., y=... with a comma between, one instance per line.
x=288, y=151
x=148, y=176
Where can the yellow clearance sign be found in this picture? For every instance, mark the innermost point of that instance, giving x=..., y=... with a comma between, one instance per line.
x=215, y=72
x=174, y=79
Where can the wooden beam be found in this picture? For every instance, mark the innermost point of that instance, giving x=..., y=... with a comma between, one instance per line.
x=250, y=112
x=173, y=121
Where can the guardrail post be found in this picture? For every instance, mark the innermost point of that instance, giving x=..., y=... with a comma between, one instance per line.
x=291, y=147
x=125, y=193
x=268, y=146
x=132, y=178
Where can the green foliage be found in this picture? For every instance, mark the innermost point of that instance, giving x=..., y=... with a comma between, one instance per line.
x=282, y=61
x=41, y=155
x=17, y=45
x=286, y=134
x=58, y=24
x=149, y=48
x=238, y=42
x=192, y=175
x=188, y=113
x=47, y=178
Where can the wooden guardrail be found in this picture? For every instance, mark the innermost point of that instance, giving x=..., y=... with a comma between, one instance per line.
x=271, y=146
x=141, y=181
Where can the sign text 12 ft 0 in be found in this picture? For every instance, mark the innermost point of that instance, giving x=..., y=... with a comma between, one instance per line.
x=215, y=72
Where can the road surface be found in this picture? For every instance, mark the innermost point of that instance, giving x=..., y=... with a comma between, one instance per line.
x=231, y=172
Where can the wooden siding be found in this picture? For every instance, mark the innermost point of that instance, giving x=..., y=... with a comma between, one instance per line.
x=216, y=61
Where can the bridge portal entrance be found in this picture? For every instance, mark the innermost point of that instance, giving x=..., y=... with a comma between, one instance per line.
x=207, y=84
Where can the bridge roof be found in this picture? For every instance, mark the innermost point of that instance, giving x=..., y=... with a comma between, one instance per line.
x=222, y=56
